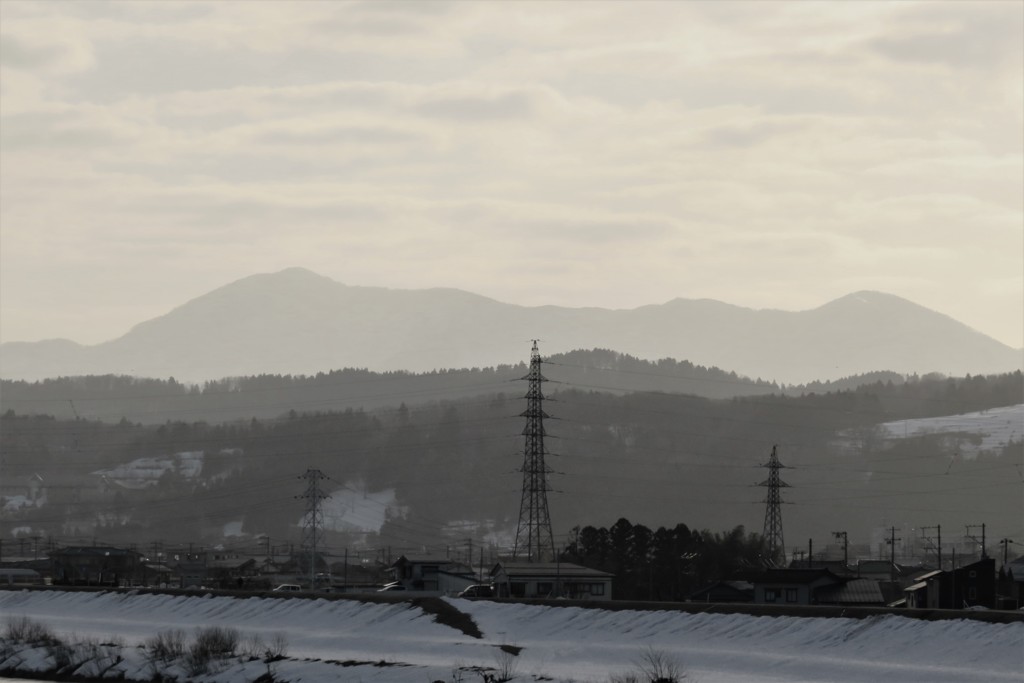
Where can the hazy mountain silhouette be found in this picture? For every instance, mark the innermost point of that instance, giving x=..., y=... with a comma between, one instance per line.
x=298, y=322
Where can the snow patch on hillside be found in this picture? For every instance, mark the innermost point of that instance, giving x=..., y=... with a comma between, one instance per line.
x=993, y=428
x=16, y=503
x=146, y=472
x=355, y=508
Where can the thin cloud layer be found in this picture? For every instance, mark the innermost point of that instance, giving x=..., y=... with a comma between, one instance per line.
x=582, y=154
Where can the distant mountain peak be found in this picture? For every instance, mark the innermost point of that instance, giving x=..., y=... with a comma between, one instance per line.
x=295, y=321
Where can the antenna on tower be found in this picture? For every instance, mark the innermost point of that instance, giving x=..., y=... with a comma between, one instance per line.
x=533, y=535
x=773, y=511
x=313, y=520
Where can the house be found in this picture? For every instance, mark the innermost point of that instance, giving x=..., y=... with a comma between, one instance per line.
x=231, y=572
x=819, y=586
x=359, y=576
x=973, y=585
x=20, y=576
x=155, y=574
x=438, y=575
x=917, y=593
x=95, y=565
x=725, y=591
x=550, y=580
x=191, y=573
x=1011, y=584
x=792, y=586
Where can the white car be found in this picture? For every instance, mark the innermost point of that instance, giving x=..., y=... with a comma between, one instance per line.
x=288, y=587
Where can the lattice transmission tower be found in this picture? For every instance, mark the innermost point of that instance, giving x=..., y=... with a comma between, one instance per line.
x=773, y=511
x=534, y=540
x=313, y=520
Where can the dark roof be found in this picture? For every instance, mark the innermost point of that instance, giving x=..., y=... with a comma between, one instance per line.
x=798, y=576
x=426, y=559
x=837, y=566
x=234, y=563
x=18, y=571
x=737, y=588
x=93, y=551
x=549, y=569
x=853, y=592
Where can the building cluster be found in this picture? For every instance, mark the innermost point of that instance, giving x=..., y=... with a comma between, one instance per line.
x=877, y=583
x=868, y=583
x=418, y=575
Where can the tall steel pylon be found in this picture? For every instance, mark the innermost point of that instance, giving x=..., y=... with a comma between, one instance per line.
x=313, y=520
x=533, y=535
x=773, y=511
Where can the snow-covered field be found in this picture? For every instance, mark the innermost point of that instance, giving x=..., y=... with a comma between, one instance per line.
x=558, y=643
x=993, y=428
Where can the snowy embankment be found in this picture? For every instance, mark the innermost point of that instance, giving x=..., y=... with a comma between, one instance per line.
x=348, y=640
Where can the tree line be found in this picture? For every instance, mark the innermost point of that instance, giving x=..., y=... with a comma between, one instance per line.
x=667, y=564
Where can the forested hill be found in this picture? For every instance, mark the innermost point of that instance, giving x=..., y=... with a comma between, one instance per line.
x=448, y=469
x=111, y=398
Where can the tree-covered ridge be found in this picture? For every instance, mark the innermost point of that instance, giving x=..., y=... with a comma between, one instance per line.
x=452, y=465
x=149, y=401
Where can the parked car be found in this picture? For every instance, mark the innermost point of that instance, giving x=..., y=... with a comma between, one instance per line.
x=391, y=587
x=288, y=587
x=477, y=591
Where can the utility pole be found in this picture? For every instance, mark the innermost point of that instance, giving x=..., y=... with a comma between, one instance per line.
x=1006, y=545
x=846, y=546
x=938, y=531
x=533, y=534
x=892, y=552
x=313, y=521
x=773, y=511
x=975, y=538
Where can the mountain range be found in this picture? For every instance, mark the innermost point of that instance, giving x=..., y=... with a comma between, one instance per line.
x=298, y=322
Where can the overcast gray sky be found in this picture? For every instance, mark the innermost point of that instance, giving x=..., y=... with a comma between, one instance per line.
x=613, y=154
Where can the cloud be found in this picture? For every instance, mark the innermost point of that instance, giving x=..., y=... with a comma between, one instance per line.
x=46, y=48
x=348, y=135
x=55, y=130
x=781, y=151
x=981, y=35
x=14, y=53
x=479, y=108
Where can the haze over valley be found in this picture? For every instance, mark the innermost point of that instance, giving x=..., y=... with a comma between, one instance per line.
x=384, y=322
x=426, y=456
x=297, y=322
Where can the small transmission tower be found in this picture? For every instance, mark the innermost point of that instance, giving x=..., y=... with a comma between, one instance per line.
x=533, y=536
x=773, y=511
x=313, y=520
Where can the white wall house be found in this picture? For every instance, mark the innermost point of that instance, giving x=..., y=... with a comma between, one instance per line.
x=435, y=575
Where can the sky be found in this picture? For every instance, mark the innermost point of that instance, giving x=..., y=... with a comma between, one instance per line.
x=611, y=154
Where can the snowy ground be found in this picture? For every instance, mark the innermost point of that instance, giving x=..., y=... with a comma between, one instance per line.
x=558, y=643
x=994, y=428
